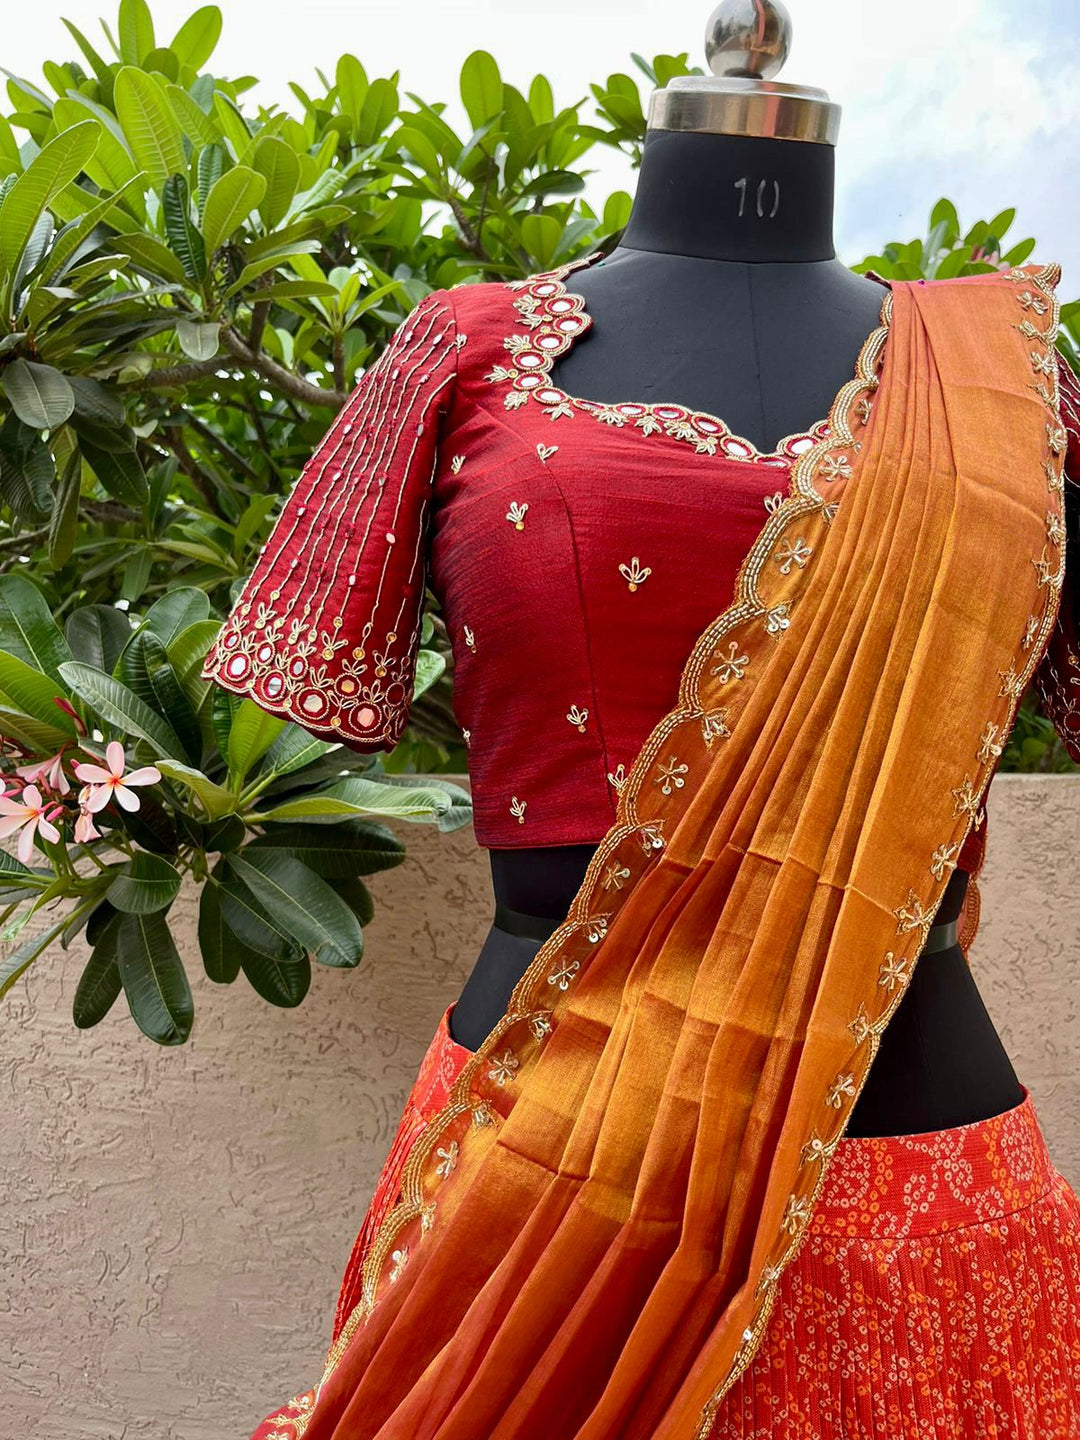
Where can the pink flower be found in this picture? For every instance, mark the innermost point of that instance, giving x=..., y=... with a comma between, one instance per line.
x=30, y=817
x=107, y=784
x=85, y=829
x=49, y=773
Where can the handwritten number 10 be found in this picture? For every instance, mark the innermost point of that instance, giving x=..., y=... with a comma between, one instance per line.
x=762, y=190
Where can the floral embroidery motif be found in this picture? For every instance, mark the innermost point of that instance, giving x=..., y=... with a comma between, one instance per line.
x=577, y=717
x=517, y=809
x=545, y=452
x=617, y=777
x=893, y=971
x=470, y=638
x=671, y=774
x=564, y=974
x=634, y=574
x=733, y=665
x=615, y=876
x=456, y=463
x=516, y=514
x=504, y=1068
x=447, y=1159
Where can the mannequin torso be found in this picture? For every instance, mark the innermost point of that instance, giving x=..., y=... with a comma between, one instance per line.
x=725, y=295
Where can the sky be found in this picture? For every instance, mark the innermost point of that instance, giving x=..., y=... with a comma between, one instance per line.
x=975, y=99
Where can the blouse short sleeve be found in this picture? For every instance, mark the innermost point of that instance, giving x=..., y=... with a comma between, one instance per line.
x=1057, y=679
x=326, y=629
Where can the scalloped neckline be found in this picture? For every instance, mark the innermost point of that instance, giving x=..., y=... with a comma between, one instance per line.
x=567, y=318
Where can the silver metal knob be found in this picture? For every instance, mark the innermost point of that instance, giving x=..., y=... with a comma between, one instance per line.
x=748, y=38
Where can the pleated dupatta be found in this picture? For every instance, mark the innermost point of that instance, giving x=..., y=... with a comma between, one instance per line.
x=591, y=1231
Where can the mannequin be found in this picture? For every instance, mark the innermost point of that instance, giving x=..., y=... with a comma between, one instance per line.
x=743, y=310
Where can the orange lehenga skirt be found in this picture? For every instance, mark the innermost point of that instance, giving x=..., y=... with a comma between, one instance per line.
x=934, y=1297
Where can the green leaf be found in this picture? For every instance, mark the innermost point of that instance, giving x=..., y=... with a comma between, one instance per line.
x=97, y=634
x=292, y=750
x=194, y=121
x=251, y=734
x=153, y=977
x=358, y=898
x=145, y=670
x=64, y=521
x=211, y=168
x=303, y=903
x=96, y=402
x=336, y=852
x=256, y=927
x=40, y=396
x=117, y=706
x=120, y=472
x=27, y=470
x=27, y=627
x=98, y=986
x=481, y=87
x=279, y=165
x=28, y=690
x=233, y=198
x=356, y=796
x=135, y=31
x=144, y=884
x=215, y=799
x=176, y=611
x=220, y=947
x=198, y=341
x=149, y=125
x=282, y=982
x=197, y=38
x=51, y=171
x=180, y=230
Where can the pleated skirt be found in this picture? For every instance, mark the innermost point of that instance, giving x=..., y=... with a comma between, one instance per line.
x=935, y=1295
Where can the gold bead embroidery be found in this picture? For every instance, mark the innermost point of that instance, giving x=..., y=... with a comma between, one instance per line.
x=617, y=777
x=670, y=774
x=447, y=1159
x=733, y=665
x=860, y=1026
x=796, y=1214
x=635, y=574
x=893, y=971
x=792, y=552
x=615, y=876
x=841, y=1086
x=564, y=974
x=577, y=717
x=504, y=1068
x=400, y=1259
x=911, y=913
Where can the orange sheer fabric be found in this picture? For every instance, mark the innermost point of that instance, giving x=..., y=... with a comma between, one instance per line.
x=593, y=1228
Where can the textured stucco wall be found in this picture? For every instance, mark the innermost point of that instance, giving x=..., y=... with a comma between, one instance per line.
x=173, y=1223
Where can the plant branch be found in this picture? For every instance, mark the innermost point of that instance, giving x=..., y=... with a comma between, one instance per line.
x=276, y=374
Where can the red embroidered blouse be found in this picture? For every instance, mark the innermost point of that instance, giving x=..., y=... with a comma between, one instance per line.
x=577, y=550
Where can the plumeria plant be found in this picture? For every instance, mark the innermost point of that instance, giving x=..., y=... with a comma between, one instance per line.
x=124, y=774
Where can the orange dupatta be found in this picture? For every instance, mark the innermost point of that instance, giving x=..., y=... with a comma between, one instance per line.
x=592, y=1230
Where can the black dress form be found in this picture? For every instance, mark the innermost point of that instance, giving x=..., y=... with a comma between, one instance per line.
x=725, y=294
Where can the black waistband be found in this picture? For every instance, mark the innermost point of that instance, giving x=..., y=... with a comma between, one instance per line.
x=539, y=927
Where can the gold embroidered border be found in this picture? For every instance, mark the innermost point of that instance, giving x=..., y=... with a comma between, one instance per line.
x=555, y=317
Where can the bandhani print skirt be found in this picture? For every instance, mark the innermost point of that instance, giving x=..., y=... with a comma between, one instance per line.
x=935, y=1296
